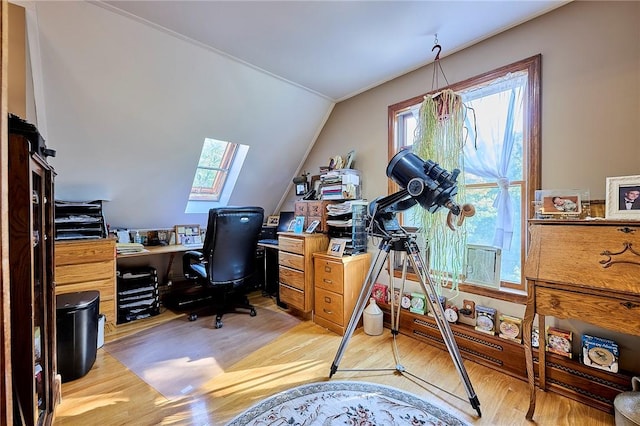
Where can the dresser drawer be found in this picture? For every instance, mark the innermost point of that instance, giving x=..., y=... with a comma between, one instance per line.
x=612, y=313
x=292, y=245
x=292, y=296
x=295, y=261
x=68, y=274
x=329, y=275
x=301, y=209
x=330, y=306
x=84, y=252
x=292, y=277
x=105, y=287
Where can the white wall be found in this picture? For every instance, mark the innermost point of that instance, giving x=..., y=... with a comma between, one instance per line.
x=590, y=109
x=128, y=107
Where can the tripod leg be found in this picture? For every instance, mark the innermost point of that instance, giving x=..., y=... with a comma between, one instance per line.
x=435, y=306
x=365, y=292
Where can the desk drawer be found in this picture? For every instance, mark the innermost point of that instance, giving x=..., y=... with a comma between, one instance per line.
x=68, y=274
x=84, y=252
x=292, y=245
x=292, y=277
x=292, y=296
x=295, y=261
x=612, y=313
x=329, y=275
x=330, y=306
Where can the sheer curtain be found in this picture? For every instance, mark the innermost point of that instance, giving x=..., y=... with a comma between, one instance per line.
x=498, y=108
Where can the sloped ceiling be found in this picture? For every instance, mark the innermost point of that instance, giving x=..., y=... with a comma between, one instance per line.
x=129, y=90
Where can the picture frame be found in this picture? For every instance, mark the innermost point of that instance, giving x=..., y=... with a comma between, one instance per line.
x=188, y=235
x=291, y=226
x=298, y=224
x=336, y=247
x=619, y=189
x=273, y=220
x=561, y=204
x=312, y=227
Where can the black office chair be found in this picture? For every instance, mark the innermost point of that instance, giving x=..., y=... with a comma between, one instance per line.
x=227, y=260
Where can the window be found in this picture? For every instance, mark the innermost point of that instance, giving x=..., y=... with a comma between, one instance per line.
x=216, y=159
x=502, y=174
x=218, y=168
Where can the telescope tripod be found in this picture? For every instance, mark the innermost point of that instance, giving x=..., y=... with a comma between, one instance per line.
x=406, y=243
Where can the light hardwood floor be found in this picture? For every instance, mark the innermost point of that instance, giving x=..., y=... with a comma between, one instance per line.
x=112, y=395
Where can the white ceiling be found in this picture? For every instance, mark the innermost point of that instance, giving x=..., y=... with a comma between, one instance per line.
x=334, y=48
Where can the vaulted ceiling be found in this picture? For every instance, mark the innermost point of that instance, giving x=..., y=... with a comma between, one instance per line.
x=126, y=91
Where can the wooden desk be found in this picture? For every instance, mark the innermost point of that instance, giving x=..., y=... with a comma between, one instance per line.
x=170, y=249
x=585, y=270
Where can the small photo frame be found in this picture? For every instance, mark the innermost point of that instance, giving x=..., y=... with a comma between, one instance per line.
x=273, y=220
x=336, y=247
x=291, y=226
x=561, y=203
x=623, y=197
x=298, y=224
x=188, y=235
x=312, y=227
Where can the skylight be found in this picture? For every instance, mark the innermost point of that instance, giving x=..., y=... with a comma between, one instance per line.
x=216, y=174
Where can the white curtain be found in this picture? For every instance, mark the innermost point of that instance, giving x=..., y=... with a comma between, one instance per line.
x=489, y=147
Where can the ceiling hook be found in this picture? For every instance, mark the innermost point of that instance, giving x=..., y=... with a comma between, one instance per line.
x=437, y=46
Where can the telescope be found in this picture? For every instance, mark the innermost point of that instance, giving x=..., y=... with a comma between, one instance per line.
x=424, y=183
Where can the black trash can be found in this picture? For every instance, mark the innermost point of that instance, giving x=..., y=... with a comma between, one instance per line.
x=76, y=333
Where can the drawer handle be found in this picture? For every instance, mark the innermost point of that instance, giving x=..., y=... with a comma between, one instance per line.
x=627, y=230
x=327, y=281
x=609, y=260
x=327, y=312
x=327, y=299
x=630, y=305
x=327, y=269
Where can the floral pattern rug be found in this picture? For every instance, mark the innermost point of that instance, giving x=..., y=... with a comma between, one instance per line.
x=344, y=403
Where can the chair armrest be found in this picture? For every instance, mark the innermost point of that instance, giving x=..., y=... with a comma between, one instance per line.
x=189, y=258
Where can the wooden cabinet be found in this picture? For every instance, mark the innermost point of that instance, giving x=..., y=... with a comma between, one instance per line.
x=313, y=210
x=585, y=270
x=338, y=281
x=83, y=265
x=295, y=268
x=36, y=388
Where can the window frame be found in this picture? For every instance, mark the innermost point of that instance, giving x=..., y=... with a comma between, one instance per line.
x=531, y=150
x=214, y=193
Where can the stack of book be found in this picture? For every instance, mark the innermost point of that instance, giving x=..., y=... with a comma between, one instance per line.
x=343, y=184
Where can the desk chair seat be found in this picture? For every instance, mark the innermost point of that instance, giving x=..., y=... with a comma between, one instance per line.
x=227, y=261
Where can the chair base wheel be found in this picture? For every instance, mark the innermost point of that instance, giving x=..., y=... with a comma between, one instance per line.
x=253, y=312
x=218, y=324
x=193, y=317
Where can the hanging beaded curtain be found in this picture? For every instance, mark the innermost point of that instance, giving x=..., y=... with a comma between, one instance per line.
x=440, y=137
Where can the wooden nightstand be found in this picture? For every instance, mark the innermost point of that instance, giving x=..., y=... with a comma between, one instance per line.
x=337, y=282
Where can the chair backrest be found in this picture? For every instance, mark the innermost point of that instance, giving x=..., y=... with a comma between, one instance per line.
x=230, y=243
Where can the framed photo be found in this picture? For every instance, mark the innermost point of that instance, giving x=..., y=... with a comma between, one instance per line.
x=188, y=235
x=560, y=203
x=273, y=220
x=312, y=227
x=291, y=226
x=298, y=224
x=336, y=247
x=623, y=197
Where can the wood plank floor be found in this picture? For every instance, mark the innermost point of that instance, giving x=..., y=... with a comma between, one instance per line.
x=112, y=395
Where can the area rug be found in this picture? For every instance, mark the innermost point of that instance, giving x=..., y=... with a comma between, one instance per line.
x=180, y=355
x=344, y=403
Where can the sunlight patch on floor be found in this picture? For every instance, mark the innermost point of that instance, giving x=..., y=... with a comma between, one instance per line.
x=180, y=376
x=74, y=406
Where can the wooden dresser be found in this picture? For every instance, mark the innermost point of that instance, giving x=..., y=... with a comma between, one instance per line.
x=584, y=270
x=338, y=281
x=295, y=267
x=83, y=265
